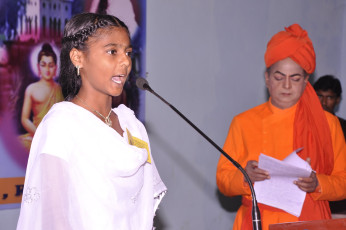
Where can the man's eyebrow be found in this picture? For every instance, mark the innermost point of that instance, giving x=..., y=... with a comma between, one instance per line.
x=293, y=75
x=277, y=71
x=296, y=74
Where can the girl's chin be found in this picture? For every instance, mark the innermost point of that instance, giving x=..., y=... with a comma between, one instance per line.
x=117, y=94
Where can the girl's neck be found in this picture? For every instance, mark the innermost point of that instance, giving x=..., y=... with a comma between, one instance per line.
x=102, y=104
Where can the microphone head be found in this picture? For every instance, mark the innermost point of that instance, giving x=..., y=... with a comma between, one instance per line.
x=142, y=83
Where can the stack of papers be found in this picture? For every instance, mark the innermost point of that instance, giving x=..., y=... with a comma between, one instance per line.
x=280, y=191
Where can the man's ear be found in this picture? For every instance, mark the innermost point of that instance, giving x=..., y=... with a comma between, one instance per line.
x=76, y=57
x=266, y=77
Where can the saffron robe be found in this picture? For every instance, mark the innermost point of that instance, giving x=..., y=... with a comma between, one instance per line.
x=54, y=97
x=269, y=130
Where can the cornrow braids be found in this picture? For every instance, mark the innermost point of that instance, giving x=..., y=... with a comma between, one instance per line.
x=83, y=35
x=76, y=34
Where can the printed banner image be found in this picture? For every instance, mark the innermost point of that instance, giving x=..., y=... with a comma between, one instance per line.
x=11, y=190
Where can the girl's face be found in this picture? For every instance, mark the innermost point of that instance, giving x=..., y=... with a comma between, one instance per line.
x=107, y=62
x=47, y=68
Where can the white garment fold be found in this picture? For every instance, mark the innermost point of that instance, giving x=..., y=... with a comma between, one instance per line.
x=82, y=174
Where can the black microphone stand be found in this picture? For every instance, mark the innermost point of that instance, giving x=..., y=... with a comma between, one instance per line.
x=256, y=217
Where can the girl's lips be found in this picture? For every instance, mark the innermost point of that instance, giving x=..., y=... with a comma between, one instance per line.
x=118, y=78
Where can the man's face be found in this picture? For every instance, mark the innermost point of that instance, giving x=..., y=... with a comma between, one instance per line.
x=286, y=82
x=328, y=99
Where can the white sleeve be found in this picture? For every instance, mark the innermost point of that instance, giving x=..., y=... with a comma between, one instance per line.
x=45, y=203
x=55, y=187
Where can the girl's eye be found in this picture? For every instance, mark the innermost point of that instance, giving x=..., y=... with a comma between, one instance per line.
x=112, y=52
x=129, y=53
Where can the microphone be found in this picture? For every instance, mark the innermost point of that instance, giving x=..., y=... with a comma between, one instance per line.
x=256, y=217
x=142, y=83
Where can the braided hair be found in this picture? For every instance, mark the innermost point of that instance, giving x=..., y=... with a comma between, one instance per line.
x=76, y=34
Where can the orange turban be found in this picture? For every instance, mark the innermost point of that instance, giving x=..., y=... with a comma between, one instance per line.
x=293, y=43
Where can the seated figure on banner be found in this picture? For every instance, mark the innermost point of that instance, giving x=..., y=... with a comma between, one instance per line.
x=90, y=165
x=41, y=95
x=292, y=118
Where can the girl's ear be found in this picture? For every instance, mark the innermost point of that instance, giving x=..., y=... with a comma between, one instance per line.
x=76, y=57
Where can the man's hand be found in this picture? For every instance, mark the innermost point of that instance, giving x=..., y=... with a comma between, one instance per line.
x=307, y=184
x=255, y=173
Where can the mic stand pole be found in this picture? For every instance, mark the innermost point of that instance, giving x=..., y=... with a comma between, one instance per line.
x=256, y=217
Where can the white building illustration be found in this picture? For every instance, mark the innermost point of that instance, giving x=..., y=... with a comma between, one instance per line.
x=45, y=19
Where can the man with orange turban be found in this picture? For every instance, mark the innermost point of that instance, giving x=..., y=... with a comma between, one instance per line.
x=291, y=119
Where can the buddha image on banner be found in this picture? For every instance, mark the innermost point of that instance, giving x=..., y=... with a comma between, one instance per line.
x=30, y=41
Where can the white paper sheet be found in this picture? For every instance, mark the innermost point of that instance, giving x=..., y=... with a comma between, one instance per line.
x=279, y=191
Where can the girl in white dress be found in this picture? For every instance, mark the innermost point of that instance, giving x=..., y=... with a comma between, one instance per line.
x=90, y=166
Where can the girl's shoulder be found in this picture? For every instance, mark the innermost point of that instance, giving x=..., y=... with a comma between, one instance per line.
x=124, y=110
x=128, y=118
x=62, y=111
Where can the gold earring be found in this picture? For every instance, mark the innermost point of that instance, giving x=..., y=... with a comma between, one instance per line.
x=77, y=70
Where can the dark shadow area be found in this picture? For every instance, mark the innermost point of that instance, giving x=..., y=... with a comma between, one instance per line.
x=230, y=204
x=312, y=78
x=159, y=223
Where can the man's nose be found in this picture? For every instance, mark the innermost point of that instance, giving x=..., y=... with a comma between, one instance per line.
x=324, y=100
x=287, y=82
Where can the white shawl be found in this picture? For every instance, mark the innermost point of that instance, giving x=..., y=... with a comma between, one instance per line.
x=82, y=174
